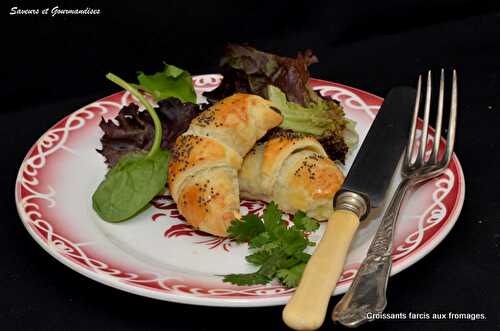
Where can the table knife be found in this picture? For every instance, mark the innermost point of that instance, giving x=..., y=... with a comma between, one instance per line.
x=364, y=189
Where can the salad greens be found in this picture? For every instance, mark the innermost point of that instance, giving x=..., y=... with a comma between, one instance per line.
x=137, y=177
x=277, y=250
x=171, y=82
x=132, y=131
x=320, y=119
x=314, y=120
x=248, y=70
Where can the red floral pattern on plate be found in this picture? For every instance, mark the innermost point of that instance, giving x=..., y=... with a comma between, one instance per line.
x=166, y=202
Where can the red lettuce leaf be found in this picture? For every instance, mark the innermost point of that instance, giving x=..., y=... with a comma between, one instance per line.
x=135, y=130
x=246, y=69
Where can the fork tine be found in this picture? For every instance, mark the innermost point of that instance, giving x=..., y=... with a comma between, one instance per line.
x=427, y=108
x=409, y=146
x=453, y=122
x=439, y=119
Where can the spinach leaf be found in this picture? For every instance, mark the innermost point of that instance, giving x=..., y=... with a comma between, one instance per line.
x=131, y=184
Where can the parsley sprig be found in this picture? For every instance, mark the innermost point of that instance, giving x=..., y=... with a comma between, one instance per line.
x=276, y=249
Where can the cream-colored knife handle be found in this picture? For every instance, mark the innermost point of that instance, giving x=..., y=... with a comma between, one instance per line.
x=306, y=309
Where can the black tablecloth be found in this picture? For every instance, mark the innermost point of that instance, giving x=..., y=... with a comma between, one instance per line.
x=54, y=65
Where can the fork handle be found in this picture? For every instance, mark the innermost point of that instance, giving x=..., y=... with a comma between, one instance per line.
x=367, y=293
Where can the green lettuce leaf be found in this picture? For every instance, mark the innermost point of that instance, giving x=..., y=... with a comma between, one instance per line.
x=322, y=119
x=171, y=82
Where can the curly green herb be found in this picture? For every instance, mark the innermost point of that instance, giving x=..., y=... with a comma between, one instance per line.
x=277, y=250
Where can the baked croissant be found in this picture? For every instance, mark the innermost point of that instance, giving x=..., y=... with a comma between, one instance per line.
x=203, y=172
x=295, y=172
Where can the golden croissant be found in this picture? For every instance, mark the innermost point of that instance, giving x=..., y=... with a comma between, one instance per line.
x=203, y=172
x=294, y=171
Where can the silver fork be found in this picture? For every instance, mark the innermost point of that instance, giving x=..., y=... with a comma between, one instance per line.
x=367, y=294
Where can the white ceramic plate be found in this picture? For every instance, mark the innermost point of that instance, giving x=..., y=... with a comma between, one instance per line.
x=157, y=254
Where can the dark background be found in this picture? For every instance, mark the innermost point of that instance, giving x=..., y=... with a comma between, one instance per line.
x=53, y=66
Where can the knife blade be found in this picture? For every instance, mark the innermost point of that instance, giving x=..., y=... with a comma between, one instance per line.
x=364, y=188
